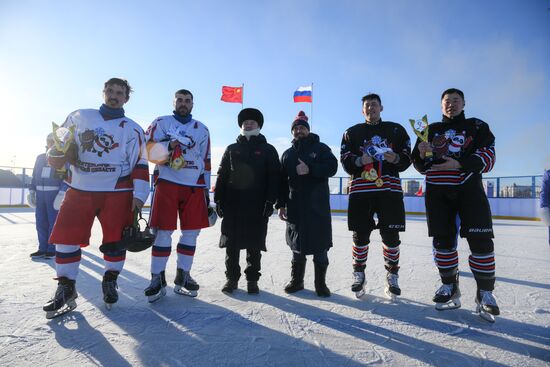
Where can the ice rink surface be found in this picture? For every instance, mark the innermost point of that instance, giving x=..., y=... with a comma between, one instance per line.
x=273, y=328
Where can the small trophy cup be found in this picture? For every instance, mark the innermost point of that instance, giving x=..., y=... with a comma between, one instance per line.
x=63, y=139
x=420, y=128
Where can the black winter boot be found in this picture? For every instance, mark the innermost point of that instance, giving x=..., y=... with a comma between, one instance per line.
x=252, y=287
x=297, y=277
x=320, y=285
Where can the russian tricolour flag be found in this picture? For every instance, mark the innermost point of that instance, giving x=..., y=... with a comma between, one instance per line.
x=303, y=94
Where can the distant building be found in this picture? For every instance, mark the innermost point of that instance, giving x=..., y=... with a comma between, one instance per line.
x=411, y=187
x=516, y=191
x=8, y=179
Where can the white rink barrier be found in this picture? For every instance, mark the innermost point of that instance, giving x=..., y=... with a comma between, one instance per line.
x=502, y=208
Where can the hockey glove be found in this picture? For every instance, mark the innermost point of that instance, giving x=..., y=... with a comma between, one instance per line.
x=58, y=200
x=31, y=198
x=545, y=215
x=219, y=210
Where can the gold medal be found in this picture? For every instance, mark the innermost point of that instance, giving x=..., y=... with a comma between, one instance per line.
x=373, y=175
x=178, y=163
x=379, y=182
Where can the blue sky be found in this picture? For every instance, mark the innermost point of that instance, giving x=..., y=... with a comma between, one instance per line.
x=55, y=56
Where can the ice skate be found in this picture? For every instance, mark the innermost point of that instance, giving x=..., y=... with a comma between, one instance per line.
x=157, y=289
x=392, y=289
x=109, y=287
x=64, y=299
x=185, y=285
x=486, y=305
x=358, y=285
x=447, y=297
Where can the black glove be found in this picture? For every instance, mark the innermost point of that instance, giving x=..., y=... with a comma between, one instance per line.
x=207, y=197
x=268, y=209
x=219, y=210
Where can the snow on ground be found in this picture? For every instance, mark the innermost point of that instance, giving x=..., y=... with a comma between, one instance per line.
x=273, y=328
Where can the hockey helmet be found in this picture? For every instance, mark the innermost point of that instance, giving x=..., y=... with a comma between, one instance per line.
x=133, y=238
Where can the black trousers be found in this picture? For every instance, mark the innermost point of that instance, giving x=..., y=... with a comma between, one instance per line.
x=253, y=264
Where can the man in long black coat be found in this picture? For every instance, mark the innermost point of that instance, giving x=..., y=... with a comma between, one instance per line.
x=304, y=203
x=246, y=189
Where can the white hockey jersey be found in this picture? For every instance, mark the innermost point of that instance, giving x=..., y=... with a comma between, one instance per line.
x=194, y=140
x=109, y=154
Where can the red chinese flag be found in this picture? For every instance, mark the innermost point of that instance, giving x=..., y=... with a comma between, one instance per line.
x=232, y=94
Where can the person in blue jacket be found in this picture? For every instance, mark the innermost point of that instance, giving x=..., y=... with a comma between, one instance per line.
x=545, y=200
x=45, y=187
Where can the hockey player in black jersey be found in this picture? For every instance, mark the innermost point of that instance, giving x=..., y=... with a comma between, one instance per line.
x=373, y=153
x=462, y=150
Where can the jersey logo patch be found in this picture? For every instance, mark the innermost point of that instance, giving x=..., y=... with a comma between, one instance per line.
x=97, y=141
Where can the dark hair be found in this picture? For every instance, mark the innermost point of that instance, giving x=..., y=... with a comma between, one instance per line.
x=451, y=91
x=184, y=92
x=122, y=82
x=371, y=96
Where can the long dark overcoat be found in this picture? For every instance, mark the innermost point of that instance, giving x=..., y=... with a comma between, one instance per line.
x=248, y=177
x=307, y=197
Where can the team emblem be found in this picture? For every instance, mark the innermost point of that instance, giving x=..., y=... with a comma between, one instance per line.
x=97, y=141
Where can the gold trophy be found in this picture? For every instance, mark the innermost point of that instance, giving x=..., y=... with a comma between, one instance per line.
x=63, y=149
x=420, y=128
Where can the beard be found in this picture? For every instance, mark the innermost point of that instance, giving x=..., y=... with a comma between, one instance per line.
x=184, y=111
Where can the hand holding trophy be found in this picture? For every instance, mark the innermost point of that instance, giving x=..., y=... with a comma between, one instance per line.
x=420, y=128
x=64, y=149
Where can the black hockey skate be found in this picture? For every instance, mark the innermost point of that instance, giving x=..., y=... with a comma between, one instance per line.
x=486, y=305
x=447, y=297
x=358, y=285
x=185, y=285
x=230, y=286
x=64, y=299
x=392, y=289
x=109, y=287
x=157, y=289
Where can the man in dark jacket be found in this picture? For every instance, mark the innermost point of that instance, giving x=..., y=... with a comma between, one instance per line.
x=304, y=203
x=373, y=153
x=246, y=189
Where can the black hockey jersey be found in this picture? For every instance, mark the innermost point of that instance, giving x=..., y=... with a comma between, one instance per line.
x=373, y=140
x=469, y=141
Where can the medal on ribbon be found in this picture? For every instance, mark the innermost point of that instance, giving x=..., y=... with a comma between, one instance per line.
x=176, y=158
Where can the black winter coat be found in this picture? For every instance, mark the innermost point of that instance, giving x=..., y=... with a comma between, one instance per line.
x=248, y=177
x=307, y=197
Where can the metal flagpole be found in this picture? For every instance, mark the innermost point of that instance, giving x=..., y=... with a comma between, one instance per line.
x=242, y=97
x=311, y=108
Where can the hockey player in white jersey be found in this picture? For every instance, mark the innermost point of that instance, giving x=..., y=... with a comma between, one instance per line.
x=108, y=179
x=180, y=146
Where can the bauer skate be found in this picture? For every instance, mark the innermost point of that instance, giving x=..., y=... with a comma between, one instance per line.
x=447, y=297
x=157, y=289
x=185, y=285
x=392, y=289
x=358, y=285
x=486, y=305
x=64, y=299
